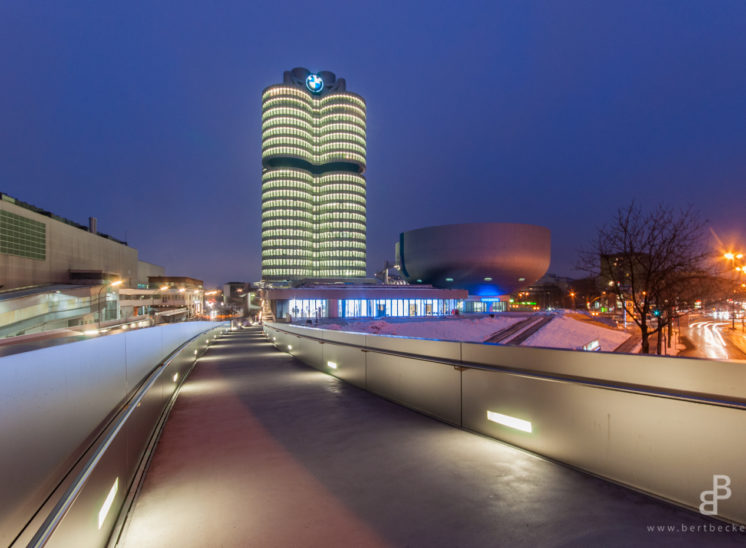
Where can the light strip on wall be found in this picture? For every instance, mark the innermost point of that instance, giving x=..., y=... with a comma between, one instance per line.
x=331, y=365
x=107, y=503
x=511, y=422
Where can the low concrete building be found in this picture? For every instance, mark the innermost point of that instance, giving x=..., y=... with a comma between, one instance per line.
x=38, y=247
x=56, y=273
x=181, y=297
x=135, y=302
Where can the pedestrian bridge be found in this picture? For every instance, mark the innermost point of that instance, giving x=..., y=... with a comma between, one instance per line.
x=262, y=450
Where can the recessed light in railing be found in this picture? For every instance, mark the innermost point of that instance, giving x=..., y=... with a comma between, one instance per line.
x=331, y=365
x=510, y=422
x=290, y=347
x=175, y=377
x=107, y=503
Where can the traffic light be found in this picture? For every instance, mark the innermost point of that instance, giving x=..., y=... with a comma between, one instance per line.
x=657, y=313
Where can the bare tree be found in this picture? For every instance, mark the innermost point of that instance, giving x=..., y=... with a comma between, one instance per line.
x=655, y=262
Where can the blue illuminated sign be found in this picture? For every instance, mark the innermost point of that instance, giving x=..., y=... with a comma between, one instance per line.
x=485, y=290
x=314, y=83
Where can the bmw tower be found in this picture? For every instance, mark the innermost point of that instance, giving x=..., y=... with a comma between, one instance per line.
x=313, y=188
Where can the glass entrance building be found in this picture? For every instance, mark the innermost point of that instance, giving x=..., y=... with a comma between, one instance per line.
x=313, y=188
x=317, y=301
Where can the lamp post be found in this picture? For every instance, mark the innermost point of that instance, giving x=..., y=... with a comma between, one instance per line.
x=732, y=258
x=98, y=297
x=741, y=269
x=743, y=314
x=572, y=296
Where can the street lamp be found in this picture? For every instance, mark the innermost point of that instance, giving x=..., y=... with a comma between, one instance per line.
x=572, y=296
x=730, y=256
x=98, y=297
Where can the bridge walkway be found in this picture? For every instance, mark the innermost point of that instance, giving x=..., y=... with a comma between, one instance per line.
x=261, y=450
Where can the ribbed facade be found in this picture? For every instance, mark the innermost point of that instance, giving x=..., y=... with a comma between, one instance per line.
x=313, y=189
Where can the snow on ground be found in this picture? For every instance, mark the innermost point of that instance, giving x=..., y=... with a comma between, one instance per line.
x=561, y=332
x=564, y=332
x=462, y=328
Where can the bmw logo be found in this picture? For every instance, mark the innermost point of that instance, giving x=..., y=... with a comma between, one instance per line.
x=314, y=83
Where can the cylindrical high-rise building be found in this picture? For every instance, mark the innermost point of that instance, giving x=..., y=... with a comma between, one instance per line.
x=313, y=189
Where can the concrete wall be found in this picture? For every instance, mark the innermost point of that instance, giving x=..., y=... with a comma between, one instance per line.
x=67, y=248
x=661, y=425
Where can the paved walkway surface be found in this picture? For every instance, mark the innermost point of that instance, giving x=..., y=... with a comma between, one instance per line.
x=261, y=450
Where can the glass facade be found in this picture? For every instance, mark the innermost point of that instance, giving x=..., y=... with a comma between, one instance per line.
x=376, y=308
x=366, y=308
x=22, y=236
x=313, y=188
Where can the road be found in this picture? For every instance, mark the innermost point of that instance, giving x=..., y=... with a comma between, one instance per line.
x=712, y=339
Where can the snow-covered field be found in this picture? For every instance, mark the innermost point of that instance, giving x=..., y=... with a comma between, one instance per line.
x=565, y=332
x=562, y=332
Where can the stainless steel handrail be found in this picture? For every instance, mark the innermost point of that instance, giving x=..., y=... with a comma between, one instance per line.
x=42, y=536
x=652, y=391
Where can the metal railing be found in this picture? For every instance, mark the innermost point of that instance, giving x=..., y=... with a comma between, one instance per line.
x=115, y=448
x=660, y=425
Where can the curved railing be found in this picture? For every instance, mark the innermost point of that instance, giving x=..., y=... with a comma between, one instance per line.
x=72, y=449
x=665, y=426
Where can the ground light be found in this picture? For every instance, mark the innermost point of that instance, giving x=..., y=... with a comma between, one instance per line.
x=511, y=422
x=107, y=503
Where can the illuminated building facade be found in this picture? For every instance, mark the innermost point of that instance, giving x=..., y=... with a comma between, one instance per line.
x=313, y=188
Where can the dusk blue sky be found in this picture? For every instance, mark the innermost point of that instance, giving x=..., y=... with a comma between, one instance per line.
x=147, y=116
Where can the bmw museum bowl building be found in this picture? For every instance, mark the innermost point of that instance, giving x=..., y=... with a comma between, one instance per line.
x=486, y=259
